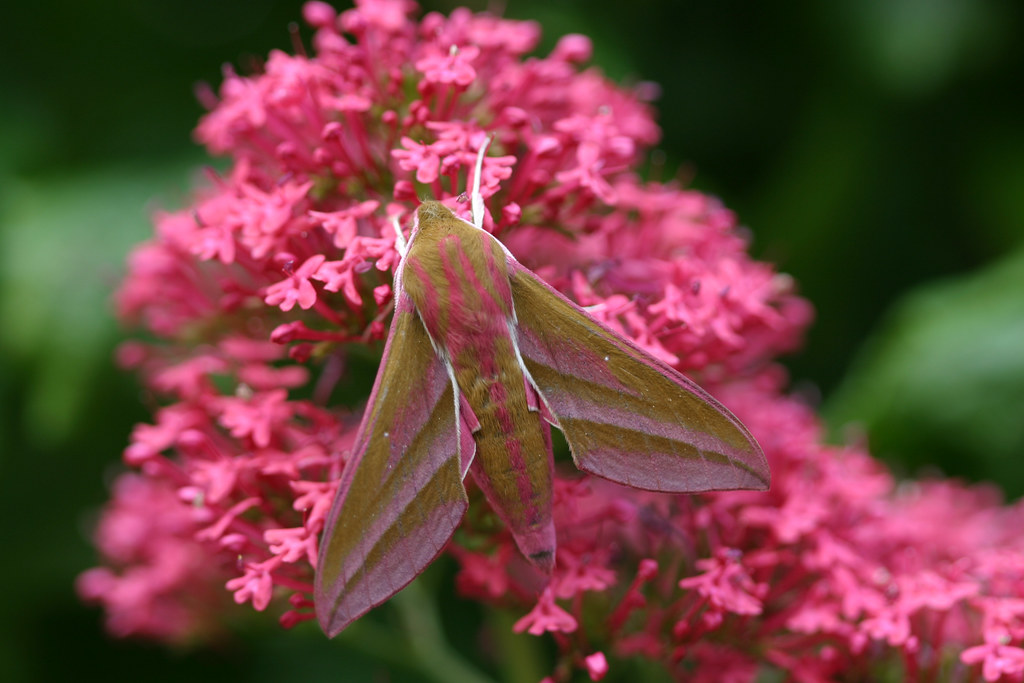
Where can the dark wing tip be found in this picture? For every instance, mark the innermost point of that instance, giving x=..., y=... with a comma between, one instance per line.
x=545, y=560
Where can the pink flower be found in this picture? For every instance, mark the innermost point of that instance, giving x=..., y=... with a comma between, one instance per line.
x=453, y=68
x=254, y=297
x=597, y=665
x=420, y=158
x=344, y=224
x=256, y=417
x=996, y=660
x=255, y=585
x=160, y=582
x=546, y=616
x=727, y=584
x=296, y=288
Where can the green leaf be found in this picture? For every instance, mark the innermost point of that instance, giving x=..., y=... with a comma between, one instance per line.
x=943, y=381
x=63, y=242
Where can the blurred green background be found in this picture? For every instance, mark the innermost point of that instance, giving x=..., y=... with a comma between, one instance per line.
x=874, y=147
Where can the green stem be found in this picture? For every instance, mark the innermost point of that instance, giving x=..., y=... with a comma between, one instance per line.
x=520, y=655
x=426, y=641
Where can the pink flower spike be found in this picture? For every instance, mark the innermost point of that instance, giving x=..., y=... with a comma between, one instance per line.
x=296, y=288
x=149, y=538
x=255, y=296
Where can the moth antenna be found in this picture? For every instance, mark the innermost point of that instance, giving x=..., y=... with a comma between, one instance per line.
x=400, y=243
x=476, y=197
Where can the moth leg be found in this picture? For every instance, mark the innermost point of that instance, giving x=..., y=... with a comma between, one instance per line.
x=468, y=425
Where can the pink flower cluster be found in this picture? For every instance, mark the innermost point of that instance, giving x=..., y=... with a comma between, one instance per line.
x=257, y=294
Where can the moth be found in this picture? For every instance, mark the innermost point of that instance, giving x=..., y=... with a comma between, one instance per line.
x=482, y=356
